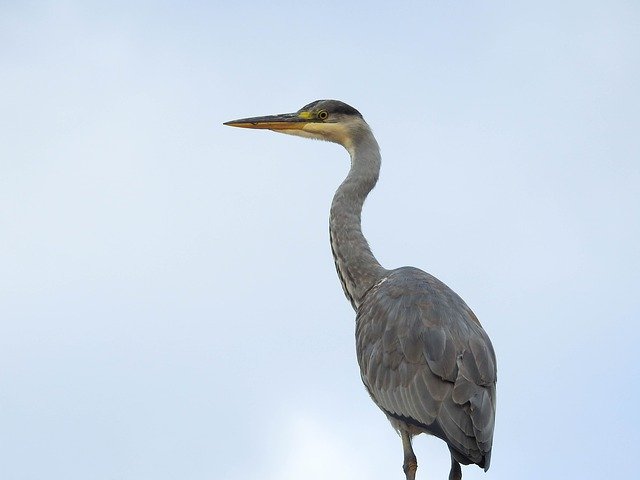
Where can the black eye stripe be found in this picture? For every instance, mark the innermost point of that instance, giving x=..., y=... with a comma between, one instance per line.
x=332, y=107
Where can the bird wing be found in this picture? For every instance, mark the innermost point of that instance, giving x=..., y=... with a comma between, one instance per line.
x=426, y=360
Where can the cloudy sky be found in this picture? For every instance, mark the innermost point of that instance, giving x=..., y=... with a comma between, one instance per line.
x=169, y=307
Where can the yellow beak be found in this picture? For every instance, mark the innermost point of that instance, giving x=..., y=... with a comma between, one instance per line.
x=284, y=121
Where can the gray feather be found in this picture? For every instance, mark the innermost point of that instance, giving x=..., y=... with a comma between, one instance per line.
x=435, y=364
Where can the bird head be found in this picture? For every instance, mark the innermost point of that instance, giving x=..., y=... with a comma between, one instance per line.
x=329, y=120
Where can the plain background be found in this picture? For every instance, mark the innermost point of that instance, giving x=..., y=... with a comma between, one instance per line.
x=169, y=307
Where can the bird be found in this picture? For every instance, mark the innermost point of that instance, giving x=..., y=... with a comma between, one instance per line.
x=424, y=357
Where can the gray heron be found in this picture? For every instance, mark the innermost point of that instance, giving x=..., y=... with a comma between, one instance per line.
x=424, y=358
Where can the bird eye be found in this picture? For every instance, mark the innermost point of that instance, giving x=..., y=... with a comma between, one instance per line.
x=322, y=114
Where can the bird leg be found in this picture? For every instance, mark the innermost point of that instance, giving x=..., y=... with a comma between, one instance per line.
x=410, y=461
x=456, y=471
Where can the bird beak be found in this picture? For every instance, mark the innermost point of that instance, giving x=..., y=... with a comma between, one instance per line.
x=284, y=121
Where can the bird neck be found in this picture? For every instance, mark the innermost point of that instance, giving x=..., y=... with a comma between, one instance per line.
x=357, y=268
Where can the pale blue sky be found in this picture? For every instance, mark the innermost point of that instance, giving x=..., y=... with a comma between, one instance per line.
x=169, y=307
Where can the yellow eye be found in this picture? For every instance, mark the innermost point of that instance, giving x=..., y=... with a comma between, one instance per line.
x=322, y=114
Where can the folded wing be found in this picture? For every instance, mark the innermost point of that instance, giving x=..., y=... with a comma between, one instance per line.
x=426, y=360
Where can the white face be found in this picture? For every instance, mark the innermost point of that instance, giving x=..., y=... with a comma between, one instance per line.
x=340, y=132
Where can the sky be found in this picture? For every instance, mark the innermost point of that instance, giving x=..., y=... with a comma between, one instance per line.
x=169, y=308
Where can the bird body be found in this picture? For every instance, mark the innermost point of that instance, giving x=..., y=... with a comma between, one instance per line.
x=427, y=362
x=424, y=358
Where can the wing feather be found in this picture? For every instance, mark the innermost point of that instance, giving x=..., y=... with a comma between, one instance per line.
x=426, y=360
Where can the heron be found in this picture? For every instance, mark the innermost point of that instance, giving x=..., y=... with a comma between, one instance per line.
x=424, y=357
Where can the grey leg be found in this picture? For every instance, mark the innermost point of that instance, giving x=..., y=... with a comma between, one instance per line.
x=456, y=471
x=410, y=462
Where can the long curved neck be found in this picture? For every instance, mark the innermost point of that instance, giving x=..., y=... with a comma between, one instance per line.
x=357, y=268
